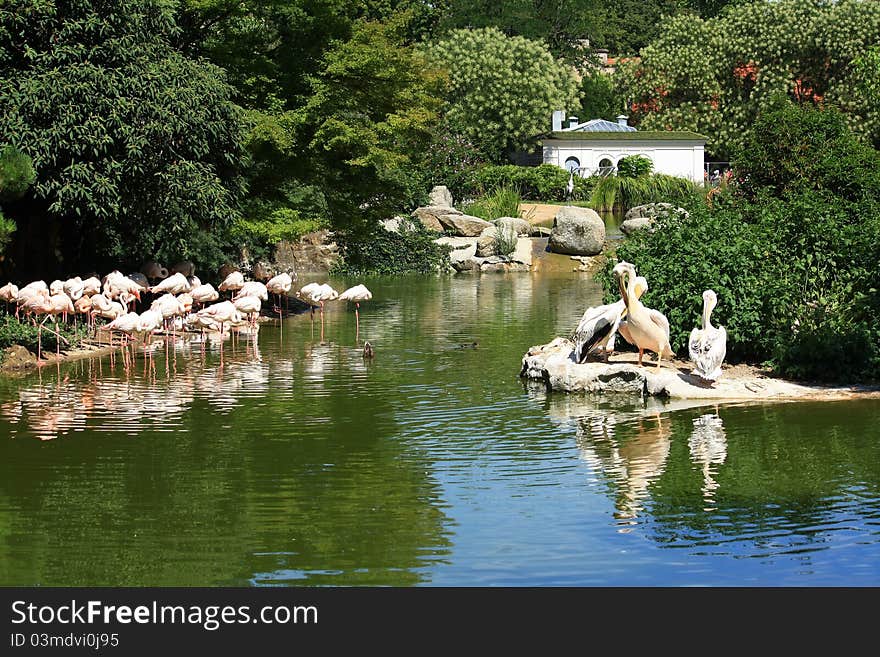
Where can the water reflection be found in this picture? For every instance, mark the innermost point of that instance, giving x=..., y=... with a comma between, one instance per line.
x=632, y=462
x=708, y=448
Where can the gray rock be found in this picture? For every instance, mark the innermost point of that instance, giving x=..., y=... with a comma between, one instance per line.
x=540, y=231
x=653, y=210
x=577, y=231
x=629, y=226
x=521, y=226
x=315, y=252
x=464, y=225
x=394, y=225
x=430, y=215
x=487, y=242
x=523, y=251
x=441, y=196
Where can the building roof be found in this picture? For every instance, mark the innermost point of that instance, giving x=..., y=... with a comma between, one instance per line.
x=600, y=125
x=641, y=135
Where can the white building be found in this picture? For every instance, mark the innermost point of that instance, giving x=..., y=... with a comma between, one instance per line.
x=595, y=147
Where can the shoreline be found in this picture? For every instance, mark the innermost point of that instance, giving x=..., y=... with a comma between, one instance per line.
x=552, y=364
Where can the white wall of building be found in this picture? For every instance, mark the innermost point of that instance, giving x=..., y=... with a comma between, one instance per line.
x=673, y=157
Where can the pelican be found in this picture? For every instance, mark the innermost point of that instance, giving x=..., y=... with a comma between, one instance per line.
x=356, y=294
x=599, y=325
x=649, y=328
x=708, y=346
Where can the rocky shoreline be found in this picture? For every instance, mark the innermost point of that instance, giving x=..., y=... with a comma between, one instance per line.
x=554, y=365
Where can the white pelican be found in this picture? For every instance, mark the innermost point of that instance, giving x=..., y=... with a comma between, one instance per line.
x=600, y=324
x=708, y=346
x=356, y=294
x=649, y=329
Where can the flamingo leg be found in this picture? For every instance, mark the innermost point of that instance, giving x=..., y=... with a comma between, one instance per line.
x=357, y=323
x=322, y=322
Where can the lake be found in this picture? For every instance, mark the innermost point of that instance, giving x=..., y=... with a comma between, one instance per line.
x=296, y=462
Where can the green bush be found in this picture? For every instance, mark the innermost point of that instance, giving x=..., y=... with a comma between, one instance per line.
x=24, y=333
x=633, y=166
x=16, y=172
x=505, y=240
x=378, y=251
x=795, y=277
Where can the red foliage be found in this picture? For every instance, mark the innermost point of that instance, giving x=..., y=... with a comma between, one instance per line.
x=743, y=71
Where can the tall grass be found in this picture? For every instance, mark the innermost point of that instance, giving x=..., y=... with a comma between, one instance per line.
x=629, y=192
x=503, y=201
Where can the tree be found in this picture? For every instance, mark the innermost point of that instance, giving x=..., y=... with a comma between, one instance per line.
x=370, y=116
x=563, y=25
x=502, y=89
x=16, y=176
x=136, y=147
x=599, y=97
x=715, y=76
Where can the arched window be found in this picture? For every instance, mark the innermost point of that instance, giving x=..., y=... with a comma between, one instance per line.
x=572, y=164
x=606, y=167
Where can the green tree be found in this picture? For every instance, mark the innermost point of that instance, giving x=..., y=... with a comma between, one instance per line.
x=599, y=97
x=136, y=147
x=502, y=89
x=563, y=25
x=16, y=176
x=369, y=119
x=715, y=76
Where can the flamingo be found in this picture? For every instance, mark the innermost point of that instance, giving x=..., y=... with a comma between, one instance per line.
x=280, y=285
x=56, y=287
x=233, y=282
x=356, y=294
x=91, y=286
x=83, y=306
x=707, y=346
x=254, y=289
x=203, y=294
x=174, y=284
x=221, y=313
x=321, y=294
x=73, y=287
x=9, y=293
x=249, y=305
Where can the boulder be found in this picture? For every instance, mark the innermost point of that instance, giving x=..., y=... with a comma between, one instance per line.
x=430, y=215
x=395, y=224
x=639, y=223
x=652, y=211
x=540, y=231
x=440, y=196
x=521, y=226
x=315, y=252
x=487, y=242
x=523, y=251
x=17, y=357
x=464, y=225
x=577, y=231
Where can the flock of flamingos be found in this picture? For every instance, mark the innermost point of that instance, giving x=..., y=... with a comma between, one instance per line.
x=179, y=302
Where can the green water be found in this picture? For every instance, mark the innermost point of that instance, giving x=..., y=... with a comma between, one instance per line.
x=296, y=462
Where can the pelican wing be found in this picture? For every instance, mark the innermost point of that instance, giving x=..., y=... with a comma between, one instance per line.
x=660, y=320
x=623, y=330
x=597, y=324
x=707, y=351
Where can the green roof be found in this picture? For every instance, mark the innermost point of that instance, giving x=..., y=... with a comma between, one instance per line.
x=641, y=135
